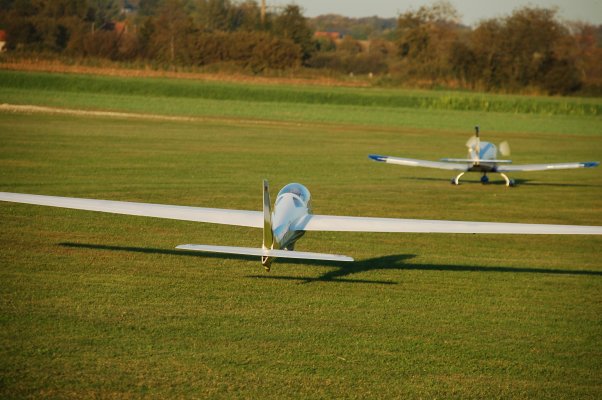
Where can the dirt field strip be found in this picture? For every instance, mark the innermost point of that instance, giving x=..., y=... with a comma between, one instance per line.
x=66, y=111
x=31, y=109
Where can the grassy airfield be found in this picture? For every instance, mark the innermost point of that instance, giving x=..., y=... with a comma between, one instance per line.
x=100, y=305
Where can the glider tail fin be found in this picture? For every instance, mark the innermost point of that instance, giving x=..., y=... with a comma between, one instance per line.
x=268, y=234
x=270, y=249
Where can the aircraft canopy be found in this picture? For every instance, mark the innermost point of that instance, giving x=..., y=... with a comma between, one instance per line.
x=297, y=189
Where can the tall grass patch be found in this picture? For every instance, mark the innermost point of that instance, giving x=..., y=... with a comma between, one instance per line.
x=391, y=98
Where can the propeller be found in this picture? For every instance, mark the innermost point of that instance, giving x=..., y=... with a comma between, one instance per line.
x=505, y=148
x=474, y=145
x=472, y=142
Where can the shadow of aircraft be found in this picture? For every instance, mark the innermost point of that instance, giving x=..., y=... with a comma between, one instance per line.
x=343, y=269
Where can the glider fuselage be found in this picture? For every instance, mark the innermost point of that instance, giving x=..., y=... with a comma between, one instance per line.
x=289, y=209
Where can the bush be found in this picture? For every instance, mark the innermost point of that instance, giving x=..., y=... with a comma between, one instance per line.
x=256, y=51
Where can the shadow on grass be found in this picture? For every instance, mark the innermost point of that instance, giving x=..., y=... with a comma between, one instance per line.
x=344, y=269
x=502, y=182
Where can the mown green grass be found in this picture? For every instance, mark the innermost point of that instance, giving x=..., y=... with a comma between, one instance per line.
x=98, y=305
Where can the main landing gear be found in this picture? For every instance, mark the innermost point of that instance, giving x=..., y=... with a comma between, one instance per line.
x=509, y=182
x=456, y=180
x=485, y=180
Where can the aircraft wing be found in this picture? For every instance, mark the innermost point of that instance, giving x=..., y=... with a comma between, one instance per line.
x=468, y=160
x=546, y=167
x=410, y=162
x=184, y=213
x=309, y=223
x=367, y=224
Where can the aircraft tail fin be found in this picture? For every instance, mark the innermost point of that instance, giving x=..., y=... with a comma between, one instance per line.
x=253, y=251
x=268, y=233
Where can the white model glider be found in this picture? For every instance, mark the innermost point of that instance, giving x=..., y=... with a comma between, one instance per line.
x=482, y=157
x=290, y=219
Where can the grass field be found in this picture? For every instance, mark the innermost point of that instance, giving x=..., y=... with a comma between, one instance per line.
x=99, y=305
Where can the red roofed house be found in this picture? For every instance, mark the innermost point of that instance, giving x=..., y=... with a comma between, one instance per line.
x=330, y=35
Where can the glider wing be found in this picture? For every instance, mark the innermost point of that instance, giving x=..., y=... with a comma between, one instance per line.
x=184, y=213
x=367, y=224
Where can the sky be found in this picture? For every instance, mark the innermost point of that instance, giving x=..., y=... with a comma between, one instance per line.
x=471, y=11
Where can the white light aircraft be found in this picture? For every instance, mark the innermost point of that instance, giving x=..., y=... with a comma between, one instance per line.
x=482, y=157
x=290, y=219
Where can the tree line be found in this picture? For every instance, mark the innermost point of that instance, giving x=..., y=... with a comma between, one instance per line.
x=531, y=49
x=170, y=32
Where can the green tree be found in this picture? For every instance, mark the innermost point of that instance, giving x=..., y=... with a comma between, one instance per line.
x=526, y=49
x=17, y=18
x=424, y=40
x=463, y=62
x=148, y=8
x=585, y=47
x=171, y=33
x=44, y=25
x=246, y=16
x=214, y=15
x=102, y=12
x=349, y=45
x=291, y=24
x=255, y=51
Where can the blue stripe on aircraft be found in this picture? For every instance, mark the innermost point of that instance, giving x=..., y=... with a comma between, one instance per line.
x=376, y=157
x=484, y=150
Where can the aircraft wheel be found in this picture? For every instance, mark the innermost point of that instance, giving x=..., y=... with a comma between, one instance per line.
x=453, y=181
x=484, y=179
x=512, y=183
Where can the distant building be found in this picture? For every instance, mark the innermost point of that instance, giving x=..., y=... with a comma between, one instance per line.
x=2, y=40
x=330, y=35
